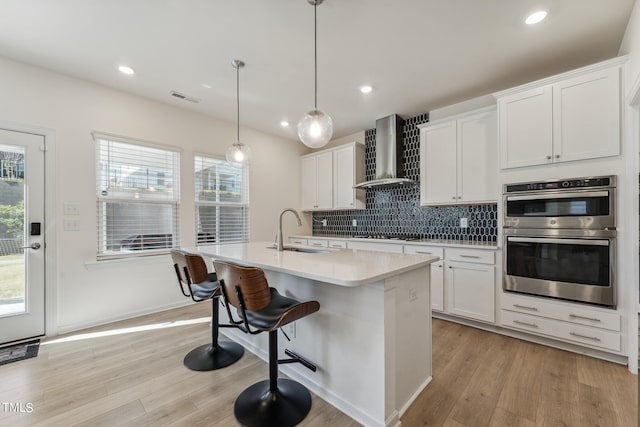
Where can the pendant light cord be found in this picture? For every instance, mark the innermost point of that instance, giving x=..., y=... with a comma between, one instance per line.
x=238, y=102
x=315, y=52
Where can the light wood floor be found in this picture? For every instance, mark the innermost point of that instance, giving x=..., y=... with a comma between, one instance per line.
x=135, y=377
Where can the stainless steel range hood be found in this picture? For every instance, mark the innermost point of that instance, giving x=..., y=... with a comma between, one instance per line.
x=389, y=172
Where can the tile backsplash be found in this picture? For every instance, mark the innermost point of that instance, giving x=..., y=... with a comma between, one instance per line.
x=396, y=212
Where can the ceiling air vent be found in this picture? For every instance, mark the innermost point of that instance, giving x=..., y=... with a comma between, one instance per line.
x=184, y=97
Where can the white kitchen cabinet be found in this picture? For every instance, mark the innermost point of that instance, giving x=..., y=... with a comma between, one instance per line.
x=573, y=116
x=374, y=246
x=328, y=178
x=569, y=322
x=437, y=273
x=317, y=181
x=470, y=290
x=458, y=159
x=348, y=170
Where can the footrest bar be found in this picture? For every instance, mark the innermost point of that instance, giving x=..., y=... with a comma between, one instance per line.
x=296, y=358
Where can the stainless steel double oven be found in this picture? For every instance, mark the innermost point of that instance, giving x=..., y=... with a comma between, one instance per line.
x=560, y=239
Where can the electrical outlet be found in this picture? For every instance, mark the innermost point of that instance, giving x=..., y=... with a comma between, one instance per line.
x=354, y=222
x=324, y=222
x=464, y=222
x=71, y=224
x=413, y=295
x=71, y=208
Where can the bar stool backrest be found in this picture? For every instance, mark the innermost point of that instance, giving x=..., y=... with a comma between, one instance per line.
x=251, y=280
x=191, y=268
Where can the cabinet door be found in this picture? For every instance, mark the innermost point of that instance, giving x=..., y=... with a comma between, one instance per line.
x=440, y=164
x=308, y=184
x=343, y=175
x=324, y=181
x=470, y=290
x=525, y=128
x=586, y=116
x=437, y=286
x=477, y=158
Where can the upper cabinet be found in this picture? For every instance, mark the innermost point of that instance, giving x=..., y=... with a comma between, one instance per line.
x=574, y=116
x=458, y=159
x=328, y=178
x=317, y=181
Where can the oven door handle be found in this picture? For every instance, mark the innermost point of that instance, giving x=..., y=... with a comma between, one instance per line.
x=571, y=195
x=585, y=242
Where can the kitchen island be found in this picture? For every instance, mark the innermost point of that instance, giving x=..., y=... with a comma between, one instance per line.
x=371, y=339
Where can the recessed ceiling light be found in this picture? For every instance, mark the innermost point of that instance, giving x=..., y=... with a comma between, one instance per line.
x=536, y=17
x=366, y=89
x=126, y=70
x=206, y=86
x=284, y=123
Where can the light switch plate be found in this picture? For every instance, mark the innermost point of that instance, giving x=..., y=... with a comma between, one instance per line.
x=464, y=222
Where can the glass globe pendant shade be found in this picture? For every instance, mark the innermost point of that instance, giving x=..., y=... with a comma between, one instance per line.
x=315, y=129
x=238, y=153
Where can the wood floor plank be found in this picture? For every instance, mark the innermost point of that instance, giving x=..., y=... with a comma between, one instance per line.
x=522, y=388
x=479, y=399
x=504, y=418
x=116, y=417
x=559, y=400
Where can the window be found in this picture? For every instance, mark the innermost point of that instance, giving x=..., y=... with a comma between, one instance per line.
x=222, y=201
x=137, y=197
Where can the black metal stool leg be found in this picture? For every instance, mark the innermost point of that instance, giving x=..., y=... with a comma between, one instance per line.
x=216, y=355
x=273, y=402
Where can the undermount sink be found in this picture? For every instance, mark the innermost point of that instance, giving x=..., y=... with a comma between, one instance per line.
x=305, y=249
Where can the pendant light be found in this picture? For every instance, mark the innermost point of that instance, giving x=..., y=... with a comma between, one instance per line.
x=316, y=127
x=238, y=152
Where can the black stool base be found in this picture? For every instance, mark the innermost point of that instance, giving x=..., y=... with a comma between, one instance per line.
x=257, y=406
x=208, y=358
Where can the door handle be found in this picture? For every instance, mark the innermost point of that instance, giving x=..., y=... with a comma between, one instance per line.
x=34, y=245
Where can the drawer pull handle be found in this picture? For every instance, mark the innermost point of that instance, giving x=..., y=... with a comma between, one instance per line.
x=526, y=307
x=520, y=322
x=424, y=253
x=470, y=256
x=316, y=244
x=593, y=319
x=440, y=266
x=584, y=336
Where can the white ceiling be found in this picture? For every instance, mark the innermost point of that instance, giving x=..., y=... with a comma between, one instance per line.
x=418, y=54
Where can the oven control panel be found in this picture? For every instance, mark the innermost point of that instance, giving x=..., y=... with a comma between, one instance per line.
x=591, y=182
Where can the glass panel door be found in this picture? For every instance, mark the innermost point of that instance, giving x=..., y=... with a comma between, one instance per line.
x=22, y=243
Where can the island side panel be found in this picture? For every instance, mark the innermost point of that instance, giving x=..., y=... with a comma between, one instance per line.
x=412, y=335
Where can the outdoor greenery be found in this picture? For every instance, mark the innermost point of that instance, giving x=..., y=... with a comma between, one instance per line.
x=11, y=277
x=12, y=217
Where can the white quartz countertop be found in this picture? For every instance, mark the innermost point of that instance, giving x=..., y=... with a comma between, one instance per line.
x=344, y=267
x=423, y=242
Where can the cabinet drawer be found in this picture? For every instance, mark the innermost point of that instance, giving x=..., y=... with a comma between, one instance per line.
x=567, y=312
x=338, y=244
x=424, y=250
x=469, y=255
x=297, y=241
x=375, y=246
x=318, y=243
x=579, y=334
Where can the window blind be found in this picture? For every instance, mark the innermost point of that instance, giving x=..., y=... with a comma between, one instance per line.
x=137, y=199
x=222, y=201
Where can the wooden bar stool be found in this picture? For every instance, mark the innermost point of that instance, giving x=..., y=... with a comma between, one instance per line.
x=202, y=285
x=273, y=402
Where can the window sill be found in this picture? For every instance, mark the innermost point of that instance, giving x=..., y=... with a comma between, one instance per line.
x=139, y=260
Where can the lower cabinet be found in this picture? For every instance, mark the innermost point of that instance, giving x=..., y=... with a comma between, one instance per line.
x=462, y=281
x=470, y=290
x=569, y=322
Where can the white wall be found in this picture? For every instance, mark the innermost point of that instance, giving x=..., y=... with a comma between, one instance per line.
x=92, y=293
x=631, y=45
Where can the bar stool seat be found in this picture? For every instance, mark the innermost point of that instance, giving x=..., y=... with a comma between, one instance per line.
x=273, y=402
x=201, y=285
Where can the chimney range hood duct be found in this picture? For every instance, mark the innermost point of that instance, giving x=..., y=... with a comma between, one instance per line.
x=389, y=172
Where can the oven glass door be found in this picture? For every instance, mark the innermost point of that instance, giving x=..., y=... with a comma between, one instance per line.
x=580, y=261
